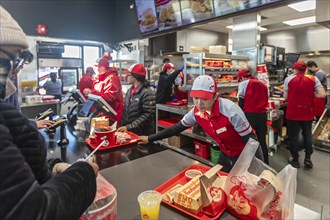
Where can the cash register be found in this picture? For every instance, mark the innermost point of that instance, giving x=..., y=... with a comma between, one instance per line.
x=79, y=103
x=100, y=106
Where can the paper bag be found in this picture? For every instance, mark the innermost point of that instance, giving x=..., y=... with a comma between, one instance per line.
x=256, y=191
x=213, y=195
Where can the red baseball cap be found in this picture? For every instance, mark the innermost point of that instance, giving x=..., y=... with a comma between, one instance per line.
x=243, y=73
x=204, y=87
x=104, y=62
x=168, y=66
x=299, y=65
x=138, y=69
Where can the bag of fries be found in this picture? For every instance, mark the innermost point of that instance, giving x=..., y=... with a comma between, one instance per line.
x=256, y=191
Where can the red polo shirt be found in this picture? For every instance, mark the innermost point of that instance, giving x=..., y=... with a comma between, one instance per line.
x=255, y=95
x=226, y=125
x=86, y=81
x=300, y=89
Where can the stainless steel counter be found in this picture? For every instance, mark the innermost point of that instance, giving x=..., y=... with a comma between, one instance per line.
x=31, y=110
x=132, y=178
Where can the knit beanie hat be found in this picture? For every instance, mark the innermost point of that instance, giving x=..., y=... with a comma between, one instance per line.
x=10, y=31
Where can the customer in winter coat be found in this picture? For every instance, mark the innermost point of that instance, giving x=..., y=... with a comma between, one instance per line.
x=300, y=90
x=165, y=85
x=108, y=86
x=27, y=188
x=253, y=100
x=140, y=104
x=220, y=118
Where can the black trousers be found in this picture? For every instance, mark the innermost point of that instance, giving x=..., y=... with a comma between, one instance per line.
x=258, y=123
x=293, y=130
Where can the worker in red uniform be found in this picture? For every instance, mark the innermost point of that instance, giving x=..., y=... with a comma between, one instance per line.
x=300, y=90
x=108, y=86
x=86, y=82
x=220, y=118
x=253, y=100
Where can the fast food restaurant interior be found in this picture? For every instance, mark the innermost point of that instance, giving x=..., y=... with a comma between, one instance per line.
x=124, y=86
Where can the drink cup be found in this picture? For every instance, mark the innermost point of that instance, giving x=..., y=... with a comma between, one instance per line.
x=149, y=204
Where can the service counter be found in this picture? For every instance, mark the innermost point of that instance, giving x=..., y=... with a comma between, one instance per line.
x=31, y=110
x=134, y=177
x=77, y=149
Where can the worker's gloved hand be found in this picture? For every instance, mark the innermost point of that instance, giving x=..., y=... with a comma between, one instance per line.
x=59, y=168
x=181, y=68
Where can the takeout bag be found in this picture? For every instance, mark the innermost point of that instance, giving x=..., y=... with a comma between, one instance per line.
x=256, y=191
x=213, y=195
x=105, y=202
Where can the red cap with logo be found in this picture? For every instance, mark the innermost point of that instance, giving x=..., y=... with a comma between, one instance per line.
x=104, y=62
x=168, y=66
x=299, y=65
x=138, y=69
x=204, y=87
x=243, y=73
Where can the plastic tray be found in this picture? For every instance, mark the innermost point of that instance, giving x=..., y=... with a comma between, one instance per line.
x=132, y=141
x=177, y=103
x=181, y=179
x=168, y=122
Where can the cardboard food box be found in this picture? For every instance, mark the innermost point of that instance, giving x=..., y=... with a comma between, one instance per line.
x=180, y=141
x=199, y=49
x=188, y=197
x=218, y=49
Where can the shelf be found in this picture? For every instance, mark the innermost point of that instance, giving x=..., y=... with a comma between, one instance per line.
x=231, y=84
x=215, y=56
x=189, y=133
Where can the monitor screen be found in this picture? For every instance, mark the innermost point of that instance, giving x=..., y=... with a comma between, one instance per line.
x=168, y=14
x=76, y=94
x=290, y=59
x=146, y=12
x=87, y=107
x=101, y=104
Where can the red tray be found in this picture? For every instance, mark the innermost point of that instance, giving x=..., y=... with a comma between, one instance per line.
x=181, y=179
x=168, y=122
x=177, y=103
x=132, y=141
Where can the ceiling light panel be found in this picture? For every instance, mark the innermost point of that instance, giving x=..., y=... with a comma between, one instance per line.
x=303, y=6
x=300, y=21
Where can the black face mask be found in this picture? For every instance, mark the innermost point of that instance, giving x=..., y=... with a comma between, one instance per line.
x=311, y=72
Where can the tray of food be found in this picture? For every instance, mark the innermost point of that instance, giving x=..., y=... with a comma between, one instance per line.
x=173, y=185
x=119, y=139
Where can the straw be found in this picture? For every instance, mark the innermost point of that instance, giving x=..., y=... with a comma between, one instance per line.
x=91, y=154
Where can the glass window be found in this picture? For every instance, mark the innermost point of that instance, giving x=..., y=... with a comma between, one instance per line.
x=91, y=54
x=71, y=51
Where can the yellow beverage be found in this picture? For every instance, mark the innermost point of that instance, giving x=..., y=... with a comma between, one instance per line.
x=149, y=204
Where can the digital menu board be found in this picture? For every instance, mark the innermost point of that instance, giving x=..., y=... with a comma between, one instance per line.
x=146, y=12
x=223, y=7
x=196, y=10
x=168, y=14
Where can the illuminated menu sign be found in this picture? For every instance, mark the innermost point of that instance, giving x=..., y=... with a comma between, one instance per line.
x=196, y=10
x=168, y=13
x=222, y=7
x=146, y=13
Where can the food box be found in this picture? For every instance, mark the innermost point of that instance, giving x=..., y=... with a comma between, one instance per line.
x=180, y=179
x=199, y=49
x=189, y=197
x=180, y=141
x=218, y=49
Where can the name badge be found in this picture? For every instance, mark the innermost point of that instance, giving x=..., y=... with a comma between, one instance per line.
x=220, y=130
